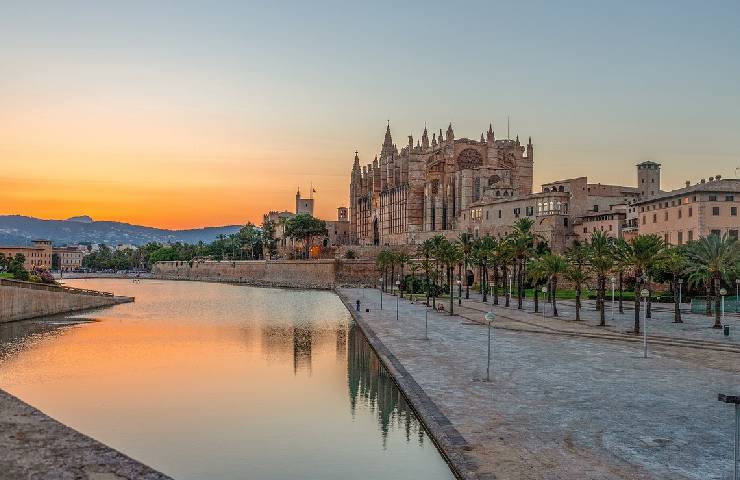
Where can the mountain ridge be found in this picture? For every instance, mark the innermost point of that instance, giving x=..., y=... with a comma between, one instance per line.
x=21, y=230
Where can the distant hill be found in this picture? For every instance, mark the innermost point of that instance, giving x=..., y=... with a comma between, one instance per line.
x=20, y=230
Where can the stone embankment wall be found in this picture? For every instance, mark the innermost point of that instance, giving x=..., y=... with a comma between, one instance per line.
x=323, y=274
x=22, y=300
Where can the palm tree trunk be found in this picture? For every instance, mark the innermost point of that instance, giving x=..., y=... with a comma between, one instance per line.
x=676, y=305
x=717, y=307
x=506, y=287
x=450, y=269
x=578, y=302
x=520, y=284
x=708, y=309
x=495, y=285
x=467, y=287
x=426, y=280
x=602, y=288
x=484, y=283
x=536, y=300
x=554, y=291
x=637, y=303
x=401, y=284
x=621, y=307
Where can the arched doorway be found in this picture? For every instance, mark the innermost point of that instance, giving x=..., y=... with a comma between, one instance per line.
x=376, y=233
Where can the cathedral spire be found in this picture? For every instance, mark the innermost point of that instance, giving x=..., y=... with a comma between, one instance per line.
x=450, y=133
x=434, y=139
x=425, y=139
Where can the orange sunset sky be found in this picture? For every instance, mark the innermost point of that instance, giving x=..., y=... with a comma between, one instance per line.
x=202, y=116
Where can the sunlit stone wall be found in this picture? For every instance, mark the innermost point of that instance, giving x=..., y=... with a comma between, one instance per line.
x=277, y=273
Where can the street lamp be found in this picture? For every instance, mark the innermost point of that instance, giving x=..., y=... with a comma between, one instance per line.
x=489, y=318
x=613, y=282
x=722, y=293
x=381, y=292
x=398, y=284
x=680, y=285
x=644, y=294
x=510, y=286
x=544, y=300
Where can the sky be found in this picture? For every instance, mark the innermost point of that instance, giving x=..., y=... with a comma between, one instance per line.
x=188, y=114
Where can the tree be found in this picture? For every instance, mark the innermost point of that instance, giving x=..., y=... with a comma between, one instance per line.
x=602, y=258
x=555, y=265
x=269, y=243
x=402, y=257
x=640, y=254
x=304, y=227
x=718, y=257
x=522, y=242
x=448, y=254
x=537, y=274
x=383, y=261
x=577, y=272
x=466, y=248
x=673, y=262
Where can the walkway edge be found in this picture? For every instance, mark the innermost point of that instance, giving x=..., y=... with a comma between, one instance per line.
x=449, y=441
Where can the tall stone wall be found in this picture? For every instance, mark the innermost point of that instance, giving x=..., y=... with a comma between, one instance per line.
x=273, y=273
x=22, y=300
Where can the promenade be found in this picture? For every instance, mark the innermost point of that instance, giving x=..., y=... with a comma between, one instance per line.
x=568, y=400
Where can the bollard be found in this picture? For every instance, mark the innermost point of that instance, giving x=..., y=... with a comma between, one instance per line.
x=727, y=330
x=357, y=308
x=734, y=399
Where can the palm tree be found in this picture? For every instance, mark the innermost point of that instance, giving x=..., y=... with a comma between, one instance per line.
x=719, y=257
x=402, y=257
x=448, y=254
x=487, y=248
x=522, y=244
x=640, y=254
x=673, y=261
x=601, y=253
x=537, y=274
x=466, y=247
x=414, y=267
x=554, y=265
x=620, y=266
x=578, y=257
x=504, y=257
x=382, y=261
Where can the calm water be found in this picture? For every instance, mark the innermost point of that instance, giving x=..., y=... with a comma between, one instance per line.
x=204, y=380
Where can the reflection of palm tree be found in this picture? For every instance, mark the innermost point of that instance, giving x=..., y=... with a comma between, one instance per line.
x=371, y=386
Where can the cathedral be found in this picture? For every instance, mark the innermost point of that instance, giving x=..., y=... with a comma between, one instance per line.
x=405, y=196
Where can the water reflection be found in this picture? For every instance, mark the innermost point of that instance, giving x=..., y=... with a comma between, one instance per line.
x=213, y=381
x=371, y=386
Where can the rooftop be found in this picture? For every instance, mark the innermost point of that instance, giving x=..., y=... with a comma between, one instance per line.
x=722, y=185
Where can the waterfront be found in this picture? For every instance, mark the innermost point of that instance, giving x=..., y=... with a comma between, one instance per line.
x=204, y=380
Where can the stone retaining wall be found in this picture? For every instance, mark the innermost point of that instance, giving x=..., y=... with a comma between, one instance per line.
x=321, y=274
x=22, y=300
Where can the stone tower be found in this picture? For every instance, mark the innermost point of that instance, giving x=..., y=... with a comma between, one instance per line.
x=648, y=179
x=303, y=205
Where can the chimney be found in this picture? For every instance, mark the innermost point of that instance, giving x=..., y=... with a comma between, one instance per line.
x=711, y=179
x=688, y=183
x=718, y=177
x=703, y=181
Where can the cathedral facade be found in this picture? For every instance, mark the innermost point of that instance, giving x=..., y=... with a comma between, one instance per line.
x=405, y=196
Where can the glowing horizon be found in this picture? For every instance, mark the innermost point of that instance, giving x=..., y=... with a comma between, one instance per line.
x=205, y=116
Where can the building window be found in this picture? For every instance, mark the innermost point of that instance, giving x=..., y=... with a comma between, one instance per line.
x=666, y=238
x=714, y=232
x=729, y=198
x=712, y=198
x=666, y=216
x=499, y=214
x=691, y=235
x=680, y=213
x=680, y=238
x=596, y=208
x=733, y=211
x=585, y=229
x=655, y=218
x=530, y=211
x=486, y=214
x=732, y=234
x=691, y=211
x=715, y=211
x=643, y=219
x=565, y=221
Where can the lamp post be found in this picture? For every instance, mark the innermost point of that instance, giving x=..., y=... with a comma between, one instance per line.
x=398, y=284
x=722, y=293
x=489, y=318
x=381, y=292
x=544, y=301
x=510, y=286
x=426, y=322
x=459, y=292
x=680, y=292
x=644, y=294
x=613, y=282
